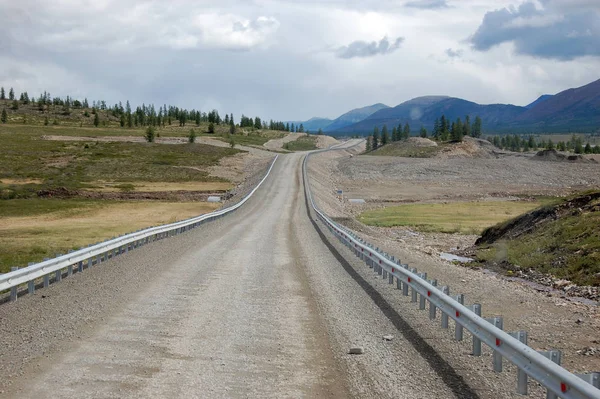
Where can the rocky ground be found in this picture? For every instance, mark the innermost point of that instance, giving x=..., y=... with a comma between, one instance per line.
x=552, y=318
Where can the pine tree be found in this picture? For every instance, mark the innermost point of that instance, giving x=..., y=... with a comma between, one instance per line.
x=375, y=138
x=467, y=126
x=122, y=121
x=301, y=130
x=2, y=94
x=46, y=121
x=436, y=129
x=15, y=105
x=406, y=131
x=587, y=149
x=231, y=128
x=578, y=146
x=96, y=119
x=476, y=129
x=443, y=128
x=211, y=127
x=384, y=135
x=550, y=145
x=457, y=130
x=198, y=118
x=369, y=143
x=395, y=134
x=4, y=117
x=423, y=132
x=11, y=94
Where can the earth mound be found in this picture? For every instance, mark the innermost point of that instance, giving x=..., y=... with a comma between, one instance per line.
x=421, y=142
x=555, y=156
x=468, y=148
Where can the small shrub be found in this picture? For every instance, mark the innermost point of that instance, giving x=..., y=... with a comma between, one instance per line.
x=192, y=136
x=150, y=134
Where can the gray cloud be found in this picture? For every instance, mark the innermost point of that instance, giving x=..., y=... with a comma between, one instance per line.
x=427, y=4
x=553, y=32
x=454, y=53
x=363, y=49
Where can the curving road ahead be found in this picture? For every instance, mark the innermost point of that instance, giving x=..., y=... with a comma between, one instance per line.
x=256, y=305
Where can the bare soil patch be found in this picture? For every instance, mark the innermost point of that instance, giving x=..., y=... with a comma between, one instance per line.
x=555, y=156
x=277, y=144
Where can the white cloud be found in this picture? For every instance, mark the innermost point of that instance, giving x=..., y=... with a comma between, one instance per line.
x=272, y=58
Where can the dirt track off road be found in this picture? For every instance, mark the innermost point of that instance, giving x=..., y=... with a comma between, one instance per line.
x=262, y=303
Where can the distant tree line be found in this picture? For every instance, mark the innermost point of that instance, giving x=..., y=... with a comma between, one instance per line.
x=141, y=116
x=443, y=130
x=518, y=143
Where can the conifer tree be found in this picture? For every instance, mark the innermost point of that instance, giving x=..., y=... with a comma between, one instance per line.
x=385, y=137
x=4, y=117
x=96, y=119
x=150, y=134
x=11, y=94
x=406, y=131
x=395, y=134
x=2, y=94
x=476, y=129
x=375, y=138
x=423, y=132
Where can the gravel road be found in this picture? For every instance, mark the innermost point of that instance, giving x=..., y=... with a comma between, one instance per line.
x=257, y=304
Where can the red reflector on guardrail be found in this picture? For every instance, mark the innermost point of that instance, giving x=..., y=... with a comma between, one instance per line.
x=498, y=342
x=457, y=313
x=428, y=293
x=409, y=279
x=563, y=387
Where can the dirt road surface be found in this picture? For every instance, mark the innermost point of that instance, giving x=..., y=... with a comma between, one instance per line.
x=253, y=305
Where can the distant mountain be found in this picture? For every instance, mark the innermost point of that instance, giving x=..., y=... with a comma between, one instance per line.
x=425, y=110
x=313, y=124
x=568, y=111
x=354, y=116
x=539, y=100
x=574, y=110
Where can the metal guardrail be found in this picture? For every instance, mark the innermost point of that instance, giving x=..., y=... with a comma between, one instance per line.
x=540, y=366
x=108, y=249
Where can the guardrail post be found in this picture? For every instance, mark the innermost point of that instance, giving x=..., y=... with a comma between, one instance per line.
x=405, y=284
x=384, y=272
x=591, y=378
x=521, y=375
x=498, y=323
x=13, y=290
x=90, y=262
x=413, y=291
x=58, y=274
x=476, y=308
x=379, y=268
x=458, y=329
x=31, y=283
x=46, y=277
x=555, y=356
x=391, y=276
x=445, y=290
x=432, y=308
x=70, y=267
x=421, y=296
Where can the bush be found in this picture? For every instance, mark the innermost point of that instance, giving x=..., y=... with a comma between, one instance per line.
x=211, y=127
x=150, y=134
x=192, y=136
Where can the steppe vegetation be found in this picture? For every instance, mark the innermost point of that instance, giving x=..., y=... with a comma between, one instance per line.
x=74, y=172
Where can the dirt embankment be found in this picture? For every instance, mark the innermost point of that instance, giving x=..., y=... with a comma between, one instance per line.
x=555, y=156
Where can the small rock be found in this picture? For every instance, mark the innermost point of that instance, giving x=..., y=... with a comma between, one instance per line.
x=388, y=337
x=579, y=321
x=356, y=350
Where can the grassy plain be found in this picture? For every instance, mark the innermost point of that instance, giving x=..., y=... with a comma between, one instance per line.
x=33, y=229
x=455, y=217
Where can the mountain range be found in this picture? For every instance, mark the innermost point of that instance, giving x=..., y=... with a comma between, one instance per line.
x=573, y=110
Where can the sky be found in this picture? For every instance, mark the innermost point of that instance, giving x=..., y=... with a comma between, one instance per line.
x=296, y=59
